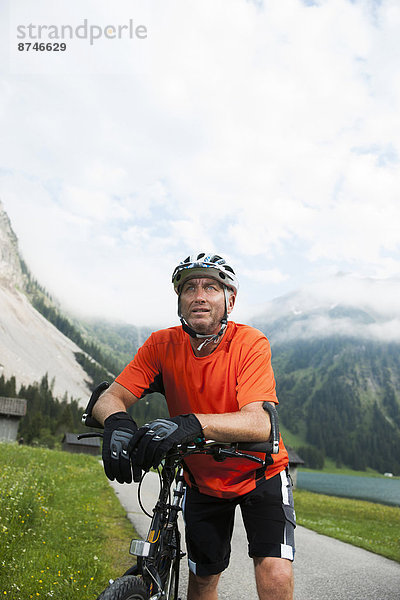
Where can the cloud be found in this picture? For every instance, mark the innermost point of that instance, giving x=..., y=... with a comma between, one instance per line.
x=268, y=131
x=343, y=305
x=381, y=296
x=264, y=276
x=323, y=326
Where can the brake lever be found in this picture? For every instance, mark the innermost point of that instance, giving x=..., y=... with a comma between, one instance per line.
x=248, y=456
x=221, y=454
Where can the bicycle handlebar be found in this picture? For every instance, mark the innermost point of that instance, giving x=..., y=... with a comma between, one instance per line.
x=273, y=415
x=225, y=449
x=91, y=422
x=255, y=447
x=270, y=447
x=87, y=418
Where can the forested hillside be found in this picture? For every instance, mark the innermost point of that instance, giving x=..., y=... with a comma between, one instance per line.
x=106, y=347
x=110, y=344
x=342, y=396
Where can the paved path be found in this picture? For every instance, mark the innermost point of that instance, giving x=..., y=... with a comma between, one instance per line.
x=325, y=569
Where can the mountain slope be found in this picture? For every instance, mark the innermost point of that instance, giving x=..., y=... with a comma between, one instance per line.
x=37, y=337
x=118, y=340
x=30, y=346
x=342, y=395
x=337, y=366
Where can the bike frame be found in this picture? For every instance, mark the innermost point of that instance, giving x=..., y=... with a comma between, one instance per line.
x=161, y=548
x=161, y=551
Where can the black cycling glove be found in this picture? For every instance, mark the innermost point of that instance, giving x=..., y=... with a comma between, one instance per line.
x=152, y=441
x=119, y=430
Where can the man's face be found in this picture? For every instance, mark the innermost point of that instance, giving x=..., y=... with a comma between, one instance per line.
x=203, y=304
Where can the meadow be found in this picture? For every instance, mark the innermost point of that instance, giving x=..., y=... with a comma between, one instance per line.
x=63, y=531
x=374, y=527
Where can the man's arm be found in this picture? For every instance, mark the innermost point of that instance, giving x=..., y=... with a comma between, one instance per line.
x=153, y=441
x=115, y=399
x=119, y=430
x=250, y=424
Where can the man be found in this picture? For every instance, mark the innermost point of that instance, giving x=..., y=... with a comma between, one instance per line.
x=215, y=376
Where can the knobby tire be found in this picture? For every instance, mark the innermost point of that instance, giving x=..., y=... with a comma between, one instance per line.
x=127, y=587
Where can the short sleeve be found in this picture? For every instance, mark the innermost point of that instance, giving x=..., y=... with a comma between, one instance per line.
x=143, y=374
x=255, y=378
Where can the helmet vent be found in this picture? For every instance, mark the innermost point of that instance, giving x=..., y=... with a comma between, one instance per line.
x=204, y=265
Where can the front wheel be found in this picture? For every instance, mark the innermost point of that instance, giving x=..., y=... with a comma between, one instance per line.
x=127, y=587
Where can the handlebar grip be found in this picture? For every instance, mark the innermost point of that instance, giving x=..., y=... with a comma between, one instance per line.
x=265, y=447
x=87, y=418
x=273, y=415
x=90, y=421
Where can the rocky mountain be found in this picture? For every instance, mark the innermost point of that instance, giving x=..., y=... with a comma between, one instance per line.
x=30, y=346
x=336, y=357
x=11, y=273
x=38, y=338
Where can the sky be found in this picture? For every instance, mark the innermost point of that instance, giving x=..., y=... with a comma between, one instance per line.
x=265, y=131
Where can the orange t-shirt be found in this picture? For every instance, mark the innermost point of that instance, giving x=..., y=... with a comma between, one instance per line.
x=238, y=372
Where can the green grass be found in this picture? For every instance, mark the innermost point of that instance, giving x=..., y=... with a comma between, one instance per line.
x=371, y=526
x=293, y=440
x=63, y=530
x=64, y=533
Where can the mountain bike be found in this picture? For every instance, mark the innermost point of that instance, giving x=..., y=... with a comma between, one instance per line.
x=155, y=576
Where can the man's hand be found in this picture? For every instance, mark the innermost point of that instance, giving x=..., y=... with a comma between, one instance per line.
x=119, y=431
x=152, y=441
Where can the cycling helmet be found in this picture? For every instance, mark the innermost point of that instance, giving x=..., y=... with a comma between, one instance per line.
x=204, y=265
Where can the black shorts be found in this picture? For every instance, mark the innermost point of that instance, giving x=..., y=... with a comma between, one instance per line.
x=268, y=516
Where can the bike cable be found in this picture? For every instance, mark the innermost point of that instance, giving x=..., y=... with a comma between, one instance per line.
x=139, y=496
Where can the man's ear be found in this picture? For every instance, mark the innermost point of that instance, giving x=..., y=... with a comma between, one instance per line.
x=231, y=303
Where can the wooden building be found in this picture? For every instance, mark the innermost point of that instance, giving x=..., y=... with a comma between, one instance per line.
x=11, y=412
x=294, y=462
x=70, y=443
